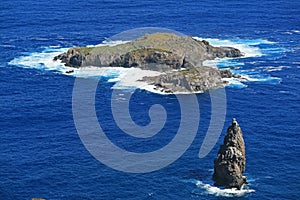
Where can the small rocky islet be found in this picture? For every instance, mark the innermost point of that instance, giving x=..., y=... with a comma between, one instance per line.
x=178, y=58
x=230, y=163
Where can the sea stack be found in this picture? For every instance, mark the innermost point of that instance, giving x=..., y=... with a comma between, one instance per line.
x=230, y=163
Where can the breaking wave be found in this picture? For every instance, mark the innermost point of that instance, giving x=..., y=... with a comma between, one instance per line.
x=246, y=69
x=209, y=189
x=213, y=190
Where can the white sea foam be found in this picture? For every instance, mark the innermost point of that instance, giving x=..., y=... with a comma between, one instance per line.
x=248, y=47
x=42, y=60
x=113, y=42
x=273, y=69
x=223, y=192
x=124, y=78
x=266, y=79
x=7, y=46
x=109, y=43
x=89, y=72
x=292, y=32
x=133, y=78
x=251, y=48
x=223, y=63
x=235, y=82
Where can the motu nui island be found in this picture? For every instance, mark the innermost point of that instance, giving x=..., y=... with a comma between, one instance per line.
x=179, y=59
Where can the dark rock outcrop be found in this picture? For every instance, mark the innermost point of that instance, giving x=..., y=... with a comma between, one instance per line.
x=228, y=74
x=219, y=52
x=197, y=79
x=230, y=163
x=150, y=59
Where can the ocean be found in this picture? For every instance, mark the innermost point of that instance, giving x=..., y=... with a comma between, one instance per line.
x=42, y=154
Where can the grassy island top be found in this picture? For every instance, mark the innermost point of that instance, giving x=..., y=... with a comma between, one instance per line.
x=168, y=42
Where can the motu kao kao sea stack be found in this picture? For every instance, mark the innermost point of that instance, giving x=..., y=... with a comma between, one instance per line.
x=230, y=163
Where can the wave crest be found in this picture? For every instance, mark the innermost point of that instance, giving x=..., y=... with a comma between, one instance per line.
x=223, y=192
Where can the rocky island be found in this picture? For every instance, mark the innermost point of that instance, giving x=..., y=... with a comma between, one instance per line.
x=178, y=58
x=230, y=163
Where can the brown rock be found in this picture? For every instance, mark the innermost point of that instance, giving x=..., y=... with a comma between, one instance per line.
x=230, y=163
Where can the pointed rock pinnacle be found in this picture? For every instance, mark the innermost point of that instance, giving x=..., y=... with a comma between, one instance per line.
x=230, y=163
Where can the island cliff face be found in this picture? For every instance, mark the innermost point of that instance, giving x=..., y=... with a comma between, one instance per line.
x=179, y=58
x=230, y=163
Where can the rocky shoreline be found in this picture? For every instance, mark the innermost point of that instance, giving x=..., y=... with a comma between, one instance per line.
x=178, y=58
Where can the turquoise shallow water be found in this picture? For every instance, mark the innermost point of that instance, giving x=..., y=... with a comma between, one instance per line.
x=41, y=153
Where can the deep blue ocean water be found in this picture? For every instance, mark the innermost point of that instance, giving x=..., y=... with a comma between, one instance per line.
x=41, y=154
